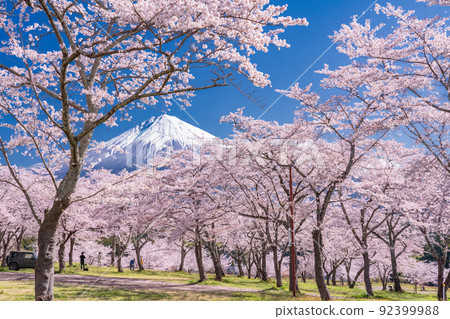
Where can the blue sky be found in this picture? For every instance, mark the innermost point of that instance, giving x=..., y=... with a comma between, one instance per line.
x=284, y=66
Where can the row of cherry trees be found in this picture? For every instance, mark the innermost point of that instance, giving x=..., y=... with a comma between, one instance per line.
x=232, y=202
x=69, y=67
x=363, y=202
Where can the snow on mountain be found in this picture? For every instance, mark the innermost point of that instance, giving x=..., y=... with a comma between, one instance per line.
x=138, y=146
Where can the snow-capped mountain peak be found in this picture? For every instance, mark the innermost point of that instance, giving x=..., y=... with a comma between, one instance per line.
x=140, y=144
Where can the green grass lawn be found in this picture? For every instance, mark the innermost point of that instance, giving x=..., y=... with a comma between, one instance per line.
x=24, y=290
x=179, y=277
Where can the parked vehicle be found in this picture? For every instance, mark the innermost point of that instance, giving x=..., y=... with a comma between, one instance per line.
x=21, y=259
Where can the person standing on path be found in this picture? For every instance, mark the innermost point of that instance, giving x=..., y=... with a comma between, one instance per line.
x=132, y=261
x=82, y=258
x=99, y=259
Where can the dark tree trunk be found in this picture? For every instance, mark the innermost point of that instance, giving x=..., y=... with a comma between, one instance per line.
x=4, y=255
x=216, y=260
x=199, y=259
x=328, y=277
x=318, y=269
x=137, y=249
x=120, y=250
x=181, y=266
x=367, y=281
x=248, y=265
x=257, y=262
x=61, y=253
x=293, y=282
x=219, y=262
x=441, y=269
x=113, y=251
x=72, y=244
x=119, y=264
x=360, y=271
x=240, y=269
x=277, y=269
x=44, y=269
x=383, y=272
x=2, y=234
x=447, y=283
x=351, y=283
x=395, y=278
x=183, y=256
x=348, y=265
x=264, y=275
x=19, y=238
x=137, y=245
x=326, y=272
x=384, y=283
x=5, y=247
x=333, y=276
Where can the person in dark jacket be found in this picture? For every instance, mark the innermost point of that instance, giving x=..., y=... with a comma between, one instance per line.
x=82, y=258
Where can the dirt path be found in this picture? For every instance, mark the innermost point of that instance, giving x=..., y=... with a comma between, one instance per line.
x=124, y=283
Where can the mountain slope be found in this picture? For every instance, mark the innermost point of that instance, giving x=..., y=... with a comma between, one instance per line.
x=139, y=145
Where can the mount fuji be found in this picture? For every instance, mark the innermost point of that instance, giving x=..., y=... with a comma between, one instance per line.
x=139, y=145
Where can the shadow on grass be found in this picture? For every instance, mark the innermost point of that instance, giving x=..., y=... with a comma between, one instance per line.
x=392, y=296
x=64, y=292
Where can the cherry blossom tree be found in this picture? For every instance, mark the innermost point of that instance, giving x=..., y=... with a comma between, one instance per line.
x=387, y=188
x=117, y=210
x=17, y=223
x=185, y=248
x=438, y=2
x=265, y=154
x=375, y=194
x=202, y=200
x=353, y=126
x=239, y=242
x=429, y=213
x=152, y=200
x=76, y=65
x=399, y=76
x=337, y=244
x=419, y=272
x=78, y=221
x=353, y=274
x=408, y=66
x=363, y=218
